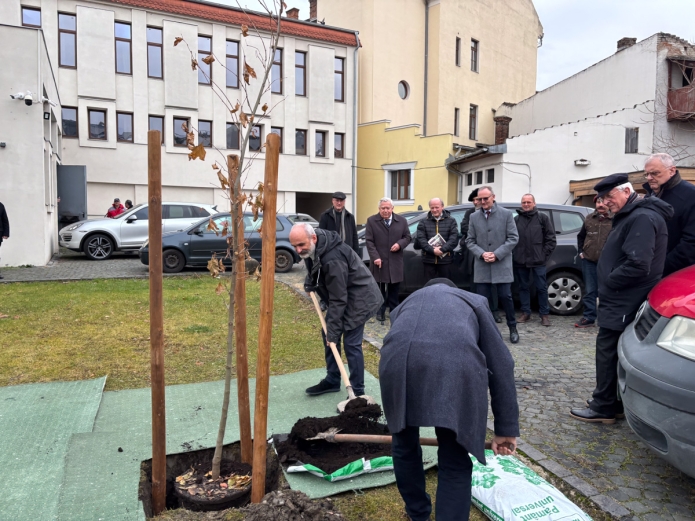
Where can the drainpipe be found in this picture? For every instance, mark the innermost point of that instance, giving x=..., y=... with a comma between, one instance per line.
x=354, y=125
x=427, y=48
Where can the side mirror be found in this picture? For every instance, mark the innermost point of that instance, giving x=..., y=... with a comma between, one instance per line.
x=132, y=218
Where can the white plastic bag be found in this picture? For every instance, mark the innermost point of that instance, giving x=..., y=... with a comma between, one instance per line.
x=507, y=490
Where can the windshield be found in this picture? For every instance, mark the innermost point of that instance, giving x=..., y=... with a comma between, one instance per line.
x=129, y=212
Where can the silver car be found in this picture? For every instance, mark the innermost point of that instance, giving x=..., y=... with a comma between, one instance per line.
x=99, y=238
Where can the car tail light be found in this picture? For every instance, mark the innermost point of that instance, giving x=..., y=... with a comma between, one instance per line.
x=679, y=337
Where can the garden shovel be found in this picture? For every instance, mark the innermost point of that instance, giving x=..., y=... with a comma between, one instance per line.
x=339, y=361
x=332, y=436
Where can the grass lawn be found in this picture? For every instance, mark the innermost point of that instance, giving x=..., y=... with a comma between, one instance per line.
x=85, y=329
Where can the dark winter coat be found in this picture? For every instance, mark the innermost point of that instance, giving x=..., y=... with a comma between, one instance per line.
x=593, y=235
x=536, y=239
x=328, y=222
x=632, y=260
x=342, y=280
x=429, y=227
x=438, y=361
x=4, y=223
x=680, y=194
x=496, y=234
x=380, y=239
x=465, y=224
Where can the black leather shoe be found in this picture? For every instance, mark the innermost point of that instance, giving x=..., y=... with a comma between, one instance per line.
x=513, y=335
x=380, y=317
x=618, y=415
x=322, y=387
x=591, y=416
x=497, y=317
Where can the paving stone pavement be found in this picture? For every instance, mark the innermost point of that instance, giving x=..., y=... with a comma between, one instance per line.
x=554, y=372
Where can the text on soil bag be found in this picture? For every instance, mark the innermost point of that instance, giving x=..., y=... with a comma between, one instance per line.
x=534, y=509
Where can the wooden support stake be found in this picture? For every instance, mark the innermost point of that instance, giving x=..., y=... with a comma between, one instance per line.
x=265, y=329
x=154, y=196
x=242, y=366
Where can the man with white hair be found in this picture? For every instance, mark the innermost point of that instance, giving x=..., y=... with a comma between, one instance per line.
x=664, y=182
x=436, y=236
x=386, y=236
x=340, y=278
x=630, y=265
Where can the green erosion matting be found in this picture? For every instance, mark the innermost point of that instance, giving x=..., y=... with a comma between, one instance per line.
x=102, y=483
x=36, y=423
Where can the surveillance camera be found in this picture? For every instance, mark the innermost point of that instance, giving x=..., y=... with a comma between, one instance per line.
x=28, y=99
x=19, y=95
x=44, y=99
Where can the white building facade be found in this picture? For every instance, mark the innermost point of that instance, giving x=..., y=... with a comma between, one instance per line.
x=118, y=74
x=608, y=118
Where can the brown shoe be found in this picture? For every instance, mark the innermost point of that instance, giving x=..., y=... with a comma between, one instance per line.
x=525, y=317
x=545, y=320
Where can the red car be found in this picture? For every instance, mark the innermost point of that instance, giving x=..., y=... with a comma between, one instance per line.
x=656, y=371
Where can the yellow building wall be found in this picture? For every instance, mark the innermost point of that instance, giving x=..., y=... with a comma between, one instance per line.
x=380, y=145
x=507, y=32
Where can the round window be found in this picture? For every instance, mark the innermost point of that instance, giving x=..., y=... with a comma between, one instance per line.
x=403, y=89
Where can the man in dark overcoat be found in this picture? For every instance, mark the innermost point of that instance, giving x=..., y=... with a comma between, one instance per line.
x=386, y=236
x=630, y=265
x=438, y=361
x=664, y=182
x=337, y=219
x=340, y=278
x=437, y=258
x=4, y=226
x=491, y=238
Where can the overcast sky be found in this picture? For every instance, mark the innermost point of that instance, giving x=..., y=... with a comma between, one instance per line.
x=579, y=33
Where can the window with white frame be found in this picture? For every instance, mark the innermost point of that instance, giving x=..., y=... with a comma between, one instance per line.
x=400, y=185
x=398, y=182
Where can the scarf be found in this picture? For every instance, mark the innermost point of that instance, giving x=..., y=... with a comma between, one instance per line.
x=342, y=223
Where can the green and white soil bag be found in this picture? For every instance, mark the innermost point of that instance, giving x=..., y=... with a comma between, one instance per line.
x=507, y=490
x=356, y=468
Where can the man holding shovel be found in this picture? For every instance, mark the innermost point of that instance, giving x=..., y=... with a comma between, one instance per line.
x=438, y=361
x=341, y=279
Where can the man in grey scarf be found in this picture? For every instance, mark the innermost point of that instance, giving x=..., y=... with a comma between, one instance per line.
x=338, y=219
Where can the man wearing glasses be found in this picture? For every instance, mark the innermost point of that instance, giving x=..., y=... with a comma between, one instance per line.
x=630, y=265
x=664, y=182
x=491, y=238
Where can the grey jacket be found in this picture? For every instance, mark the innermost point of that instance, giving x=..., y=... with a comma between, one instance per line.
x=497, y=234
x=438, y=361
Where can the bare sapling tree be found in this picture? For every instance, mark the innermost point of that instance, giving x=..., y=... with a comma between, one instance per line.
x=232, y=172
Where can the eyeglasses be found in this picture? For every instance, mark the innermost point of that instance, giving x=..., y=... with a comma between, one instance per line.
x=483, y=199
x=647, y=175
x=610, y=195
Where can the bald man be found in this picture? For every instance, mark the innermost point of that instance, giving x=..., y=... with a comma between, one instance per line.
x=437, y=236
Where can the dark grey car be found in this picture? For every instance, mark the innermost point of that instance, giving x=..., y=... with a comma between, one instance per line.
x=565, y=283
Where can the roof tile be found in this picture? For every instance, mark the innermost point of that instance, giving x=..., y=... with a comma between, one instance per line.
x=233, y=16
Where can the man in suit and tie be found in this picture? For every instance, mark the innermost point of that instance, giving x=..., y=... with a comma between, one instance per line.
x=387, y=235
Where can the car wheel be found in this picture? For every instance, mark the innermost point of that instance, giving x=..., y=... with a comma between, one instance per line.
x=173, y=261
x=283, y=261
x=98, y=247
x=565, y=290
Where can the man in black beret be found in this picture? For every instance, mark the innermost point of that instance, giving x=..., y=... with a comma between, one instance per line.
x=631, y=263
x=338, y=219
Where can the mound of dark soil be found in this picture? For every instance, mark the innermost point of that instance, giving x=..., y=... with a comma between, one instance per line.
x=291, y=505
x=358, y=418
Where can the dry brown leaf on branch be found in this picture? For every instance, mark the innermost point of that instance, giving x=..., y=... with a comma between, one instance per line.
x=184, y=127
x=249, y=69
x=236, y=108
x=197, y=152
x=194, y=64
x=264, y=108
x=212, y=226
x=220, y=289
x=257, y=273
x=177, y=40
x=251, y=118
x=243, y=119
x=244, y=30
x=215, y=267
x=225, y=229
x=255, y=213
x=223, y=180
x=209, y=59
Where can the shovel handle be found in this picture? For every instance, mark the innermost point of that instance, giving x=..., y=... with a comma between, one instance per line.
x=370, y=438
x=334, y=349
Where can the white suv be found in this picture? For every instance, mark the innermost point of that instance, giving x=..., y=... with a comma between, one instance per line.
x=99, y=238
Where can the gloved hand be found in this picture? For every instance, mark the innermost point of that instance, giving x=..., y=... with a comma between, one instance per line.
x=311, y=288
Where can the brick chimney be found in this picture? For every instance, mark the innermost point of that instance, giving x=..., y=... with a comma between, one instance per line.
x=501, y=129
x=293, y=13
x=624, y=43
x=313, y=10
